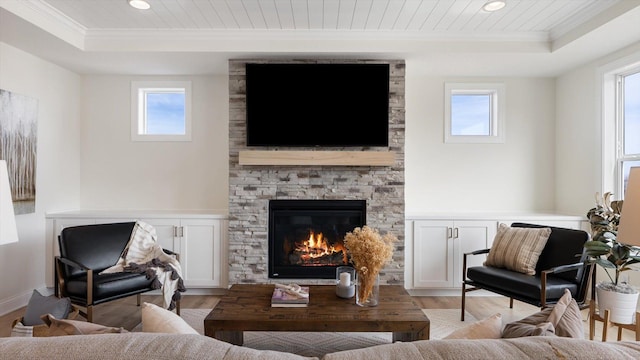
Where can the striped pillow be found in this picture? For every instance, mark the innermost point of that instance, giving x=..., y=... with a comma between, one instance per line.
x=517, y=249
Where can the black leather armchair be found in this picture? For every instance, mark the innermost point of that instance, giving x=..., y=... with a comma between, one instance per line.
x=87, y=250
x=560, y=266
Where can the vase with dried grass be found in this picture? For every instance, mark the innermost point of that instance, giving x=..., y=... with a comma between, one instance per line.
x=369, y=252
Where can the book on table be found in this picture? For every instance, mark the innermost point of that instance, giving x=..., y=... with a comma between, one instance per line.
x=281, y=298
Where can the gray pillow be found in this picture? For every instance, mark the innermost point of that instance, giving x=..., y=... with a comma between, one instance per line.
x=41, y=305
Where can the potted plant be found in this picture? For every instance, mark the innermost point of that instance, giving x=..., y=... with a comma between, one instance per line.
x=616, y=295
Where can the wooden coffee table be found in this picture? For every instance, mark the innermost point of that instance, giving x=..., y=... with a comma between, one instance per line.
x=247, y=307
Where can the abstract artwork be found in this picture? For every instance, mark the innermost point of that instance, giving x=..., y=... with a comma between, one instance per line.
x=18, y=140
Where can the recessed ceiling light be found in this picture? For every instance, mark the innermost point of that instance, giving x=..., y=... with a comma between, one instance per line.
x=140, y=4
x=494, y=5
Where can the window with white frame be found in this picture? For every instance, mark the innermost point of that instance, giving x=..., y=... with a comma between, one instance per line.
x=628, y=125
x=161, y=110
x=474, y=113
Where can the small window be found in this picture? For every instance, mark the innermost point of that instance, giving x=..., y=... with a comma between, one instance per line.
x=474, y=113
x=161, y=111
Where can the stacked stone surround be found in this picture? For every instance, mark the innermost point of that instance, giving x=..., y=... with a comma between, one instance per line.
x=251, y=187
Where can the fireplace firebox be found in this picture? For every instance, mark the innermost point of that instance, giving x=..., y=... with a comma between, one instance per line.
x=306, y=236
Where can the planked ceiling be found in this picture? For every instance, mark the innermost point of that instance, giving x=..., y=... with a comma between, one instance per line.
x=551, y=18
x=532, y=37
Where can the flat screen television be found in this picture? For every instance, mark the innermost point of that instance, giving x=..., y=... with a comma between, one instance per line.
x=312, y=105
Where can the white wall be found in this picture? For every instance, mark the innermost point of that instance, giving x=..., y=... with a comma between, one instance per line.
x=58, y=91
x=516, y=176
x=119, y=174
x=580, y=171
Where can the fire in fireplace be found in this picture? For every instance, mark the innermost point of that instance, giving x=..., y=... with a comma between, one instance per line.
x=306, y=236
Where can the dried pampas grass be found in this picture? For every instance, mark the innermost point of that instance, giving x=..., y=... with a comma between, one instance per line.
x=369, y=252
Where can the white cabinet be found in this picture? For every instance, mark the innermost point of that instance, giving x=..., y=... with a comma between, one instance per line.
x=199, y=239
x=438, y=247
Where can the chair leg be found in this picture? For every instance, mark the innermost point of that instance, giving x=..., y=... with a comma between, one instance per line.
x=139, y=297
x=463, y=302
x=510, y=303
x=90, y=313
x=178, y=307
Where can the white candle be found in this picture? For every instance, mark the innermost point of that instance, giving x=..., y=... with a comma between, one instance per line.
x=345, y=279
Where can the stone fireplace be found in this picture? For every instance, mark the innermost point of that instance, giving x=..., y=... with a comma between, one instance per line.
x=253, y=187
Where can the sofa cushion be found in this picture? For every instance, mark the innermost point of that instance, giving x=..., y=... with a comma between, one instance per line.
x=39, y=305
x=62, y=327
x=158, y=320
x=517, y=249
x=489, y=328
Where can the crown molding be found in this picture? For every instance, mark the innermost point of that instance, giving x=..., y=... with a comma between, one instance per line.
x=49, y=19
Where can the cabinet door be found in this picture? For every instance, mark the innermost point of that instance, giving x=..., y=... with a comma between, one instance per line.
x=471, y=236
x=432, y=254
x=201, y=252
x=166, y=230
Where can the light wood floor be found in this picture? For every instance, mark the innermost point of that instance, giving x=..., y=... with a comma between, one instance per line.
x=125, y=313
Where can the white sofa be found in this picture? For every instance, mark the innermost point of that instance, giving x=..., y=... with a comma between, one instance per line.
x=136, y=346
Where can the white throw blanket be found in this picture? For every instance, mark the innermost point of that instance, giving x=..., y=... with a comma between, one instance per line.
x=143, y=254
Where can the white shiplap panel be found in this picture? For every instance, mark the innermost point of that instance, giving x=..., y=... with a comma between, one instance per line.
x=523, y=23
x=224, y=13
x=192, y=10
x=254, y=13
x=181, y=19
x=209, y=13
x=378, y=9
x=470, y=15
x=551, y=16
x=345, y=16
x=361, y=15
x=427, y=7
x=330, y=14
x=315, y=9
x=270, y=14
x=437, y=15
x=451, y=15
x=478, y=17
x=390, y=16
x=300, y=14
x=239, y=13
x=164, y=13
x=513, y=13
x=75, y=11
x=285, y=13
x=406, y=14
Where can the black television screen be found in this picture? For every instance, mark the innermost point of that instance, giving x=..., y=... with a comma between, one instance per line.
x=317, y=104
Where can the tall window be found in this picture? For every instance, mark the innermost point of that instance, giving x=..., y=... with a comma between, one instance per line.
x=628, y=124
x=474, y=113
x=161, y=110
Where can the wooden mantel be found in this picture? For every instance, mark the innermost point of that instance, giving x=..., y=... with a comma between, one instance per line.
x=310, y=157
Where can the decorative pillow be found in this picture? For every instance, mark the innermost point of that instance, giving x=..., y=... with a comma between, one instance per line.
x=489, y=328
x=21, y=330
x=565, y=319
x=41, y=305
x=521, y=329
x=517, y=249
x=158, y=320
x=62, y=327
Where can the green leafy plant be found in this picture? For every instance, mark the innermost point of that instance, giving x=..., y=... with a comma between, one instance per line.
x=603, y=248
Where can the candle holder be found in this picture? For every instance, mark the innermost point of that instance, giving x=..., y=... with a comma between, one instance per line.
x=345, y=282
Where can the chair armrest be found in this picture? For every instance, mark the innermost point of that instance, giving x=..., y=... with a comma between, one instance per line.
x=555, y=270
x=72, y=263
x=169, y=252
x=464, y=261
x=564, y=268
x=478, y=252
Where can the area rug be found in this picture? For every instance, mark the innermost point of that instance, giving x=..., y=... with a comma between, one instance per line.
x=443, y=322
